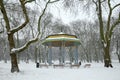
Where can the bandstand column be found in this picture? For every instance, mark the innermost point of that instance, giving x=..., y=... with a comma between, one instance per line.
x=63, y=52
x=60, y=55
x=76, y=54
x=71, y=55
x=50, y=55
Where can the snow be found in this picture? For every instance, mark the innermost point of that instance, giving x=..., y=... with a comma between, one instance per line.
x=61, y=33
x=105, y=44
x=8, y=32
x=30, y=72
x=15, y=50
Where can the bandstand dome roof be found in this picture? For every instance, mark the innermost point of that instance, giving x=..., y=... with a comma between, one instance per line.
x=60, y=39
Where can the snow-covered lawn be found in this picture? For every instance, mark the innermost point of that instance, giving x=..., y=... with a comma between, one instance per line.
x=30, y=72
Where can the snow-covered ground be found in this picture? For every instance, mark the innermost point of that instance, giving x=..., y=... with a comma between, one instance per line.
x=30, y=72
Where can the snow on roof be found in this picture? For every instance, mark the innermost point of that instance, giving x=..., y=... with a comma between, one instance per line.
x=61, y=33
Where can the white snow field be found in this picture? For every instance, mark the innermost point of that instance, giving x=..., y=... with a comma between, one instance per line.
x=29, y=72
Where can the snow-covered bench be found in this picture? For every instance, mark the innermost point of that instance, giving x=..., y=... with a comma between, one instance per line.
x=43, y=65
x=87, y=65
x=58, y=65
x=75, y=65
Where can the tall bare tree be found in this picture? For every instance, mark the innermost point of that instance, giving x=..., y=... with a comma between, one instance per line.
x=107, y=27
x=110, y=25
x=11, y=31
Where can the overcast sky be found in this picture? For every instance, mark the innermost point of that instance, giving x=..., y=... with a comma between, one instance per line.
x=67, y=16
x=60, y=12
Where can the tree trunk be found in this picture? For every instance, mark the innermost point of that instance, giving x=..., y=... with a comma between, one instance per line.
x=105, y=37
x=14, y=64
x=118, y=57
x=117, y=50
x=107, y=58
x=35, y=52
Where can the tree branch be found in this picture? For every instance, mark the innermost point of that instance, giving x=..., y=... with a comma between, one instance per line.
x=2, y=8
x=40, y=17
x=29, y=1
x=103, y=1
x=54, y=1
x=95, y=2
x=117, y=21
x=114, y=25
x=109, y=16
x=26, y=18
x=116, y=6
x=101, y=25
x=17, y=50
x=109, y=4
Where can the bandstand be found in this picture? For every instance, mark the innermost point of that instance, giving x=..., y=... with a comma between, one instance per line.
x=62, y=40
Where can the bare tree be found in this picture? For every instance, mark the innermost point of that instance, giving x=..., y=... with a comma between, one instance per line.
x=116, y=42
x=11, y=31
x=107, y=27
x=106, y=35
